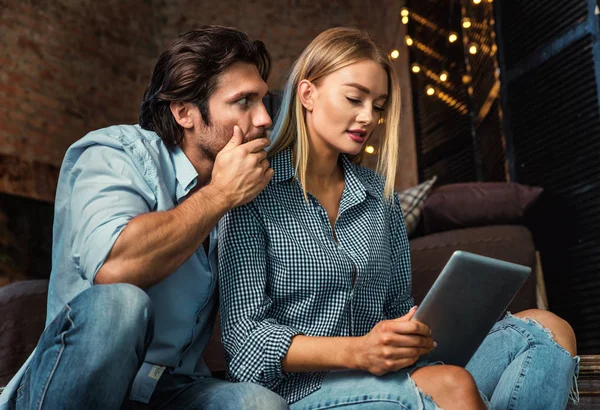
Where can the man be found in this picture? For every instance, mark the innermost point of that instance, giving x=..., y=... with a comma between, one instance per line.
x=131, y=301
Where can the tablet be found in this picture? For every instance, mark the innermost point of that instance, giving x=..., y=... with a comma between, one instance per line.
x=467, y=298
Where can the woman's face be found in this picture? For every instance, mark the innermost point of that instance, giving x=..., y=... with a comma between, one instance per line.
x=344, y=108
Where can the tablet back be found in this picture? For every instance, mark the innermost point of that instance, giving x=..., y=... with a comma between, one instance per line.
x=468, y=297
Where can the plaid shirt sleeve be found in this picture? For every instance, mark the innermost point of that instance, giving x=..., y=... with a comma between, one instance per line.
x=399, y=300
x=254, y=344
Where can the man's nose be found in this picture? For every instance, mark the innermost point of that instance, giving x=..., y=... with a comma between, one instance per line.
x=261, y=118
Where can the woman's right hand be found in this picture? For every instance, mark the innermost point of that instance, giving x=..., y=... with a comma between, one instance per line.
x=393, y=344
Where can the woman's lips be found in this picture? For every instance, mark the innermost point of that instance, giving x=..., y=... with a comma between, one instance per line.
x=356, y=137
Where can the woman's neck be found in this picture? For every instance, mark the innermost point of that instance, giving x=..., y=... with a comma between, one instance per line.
x=323, y=168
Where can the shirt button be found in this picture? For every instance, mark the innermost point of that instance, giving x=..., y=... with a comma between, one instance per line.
x=180, y=363
x=197, y=319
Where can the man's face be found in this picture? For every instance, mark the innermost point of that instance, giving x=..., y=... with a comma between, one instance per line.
x=237, y=100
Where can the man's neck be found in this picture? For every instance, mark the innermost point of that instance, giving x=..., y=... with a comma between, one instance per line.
x=202, y=163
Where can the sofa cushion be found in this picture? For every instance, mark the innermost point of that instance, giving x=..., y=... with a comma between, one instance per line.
x=23, y=310
x=412, y=201
x=512, y=243
x=465, y=205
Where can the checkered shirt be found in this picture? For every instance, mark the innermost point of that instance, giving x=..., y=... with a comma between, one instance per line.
x=282, y=273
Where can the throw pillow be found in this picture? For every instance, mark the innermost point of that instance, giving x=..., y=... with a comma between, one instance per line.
x=412, y=201
x=465, y=205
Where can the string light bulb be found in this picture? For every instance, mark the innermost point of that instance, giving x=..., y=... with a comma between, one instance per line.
x=444, y=76
x=369, y=149
x=466, y=23
x=404, y=12
x=394, y=54
x=473, y=48
x=409, y=41
x=415, y=68
x=430, y=90
x=476, y=1
x=452, y=37
x=405, y=20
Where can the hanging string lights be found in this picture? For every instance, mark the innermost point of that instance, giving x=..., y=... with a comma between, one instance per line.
x=473, y=45
x=442, y=78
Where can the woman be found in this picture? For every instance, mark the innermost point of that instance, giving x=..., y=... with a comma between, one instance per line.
x=315, y=273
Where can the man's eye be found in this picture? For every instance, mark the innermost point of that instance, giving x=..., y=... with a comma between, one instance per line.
x=243, y=101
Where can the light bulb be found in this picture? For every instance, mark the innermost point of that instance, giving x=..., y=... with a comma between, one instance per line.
x=409, y=41
x=394, y=54
x=444, y=76
x=473, y=49
x=430, y=90
x=404, y=12
x=369, y=149
x=405, y=20
x=452, y=37
x=476, y=1
x=415, y=68
x=466, y=23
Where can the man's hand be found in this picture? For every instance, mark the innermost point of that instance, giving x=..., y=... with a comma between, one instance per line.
x=393, y=344
x=241, y=171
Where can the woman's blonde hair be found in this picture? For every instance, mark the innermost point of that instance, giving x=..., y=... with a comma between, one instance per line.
x=330, y=51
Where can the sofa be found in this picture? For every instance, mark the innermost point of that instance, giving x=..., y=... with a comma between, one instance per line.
x=486, y=219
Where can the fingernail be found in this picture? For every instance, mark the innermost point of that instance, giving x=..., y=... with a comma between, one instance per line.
x=414, y=307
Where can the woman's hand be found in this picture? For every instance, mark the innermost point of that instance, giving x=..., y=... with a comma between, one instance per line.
x=393, y=344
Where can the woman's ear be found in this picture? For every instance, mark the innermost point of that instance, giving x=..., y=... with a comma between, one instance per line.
x=306, y=92
x=183, y=113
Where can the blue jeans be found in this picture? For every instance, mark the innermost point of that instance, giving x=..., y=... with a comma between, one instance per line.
x=518, y=366
x=89, y=355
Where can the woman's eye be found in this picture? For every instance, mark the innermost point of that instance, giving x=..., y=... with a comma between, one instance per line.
x=243, y=101
x=353, y=100
x=378, y=109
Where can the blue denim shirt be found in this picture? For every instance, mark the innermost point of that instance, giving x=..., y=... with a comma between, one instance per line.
x=106, y=179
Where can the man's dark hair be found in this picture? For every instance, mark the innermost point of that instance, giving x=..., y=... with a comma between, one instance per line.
x=188, y=70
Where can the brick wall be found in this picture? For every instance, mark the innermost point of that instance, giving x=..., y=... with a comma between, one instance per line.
x=68, y=67
x=286, y=26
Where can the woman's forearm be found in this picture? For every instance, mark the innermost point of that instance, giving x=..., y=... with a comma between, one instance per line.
x=310, y=354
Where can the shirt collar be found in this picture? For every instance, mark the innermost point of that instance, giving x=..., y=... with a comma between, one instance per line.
x=184, y=172
x=282, y=165
x=285, y=170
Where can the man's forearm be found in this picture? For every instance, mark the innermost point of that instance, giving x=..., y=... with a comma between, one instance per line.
x=154, y=245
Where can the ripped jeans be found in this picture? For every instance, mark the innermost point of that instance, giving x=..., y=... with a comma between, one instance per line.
x=518, y=366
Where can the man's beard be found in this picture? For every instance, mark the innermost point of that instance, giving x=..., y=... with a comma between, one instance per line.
x=261, y=133
x=221, y=136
